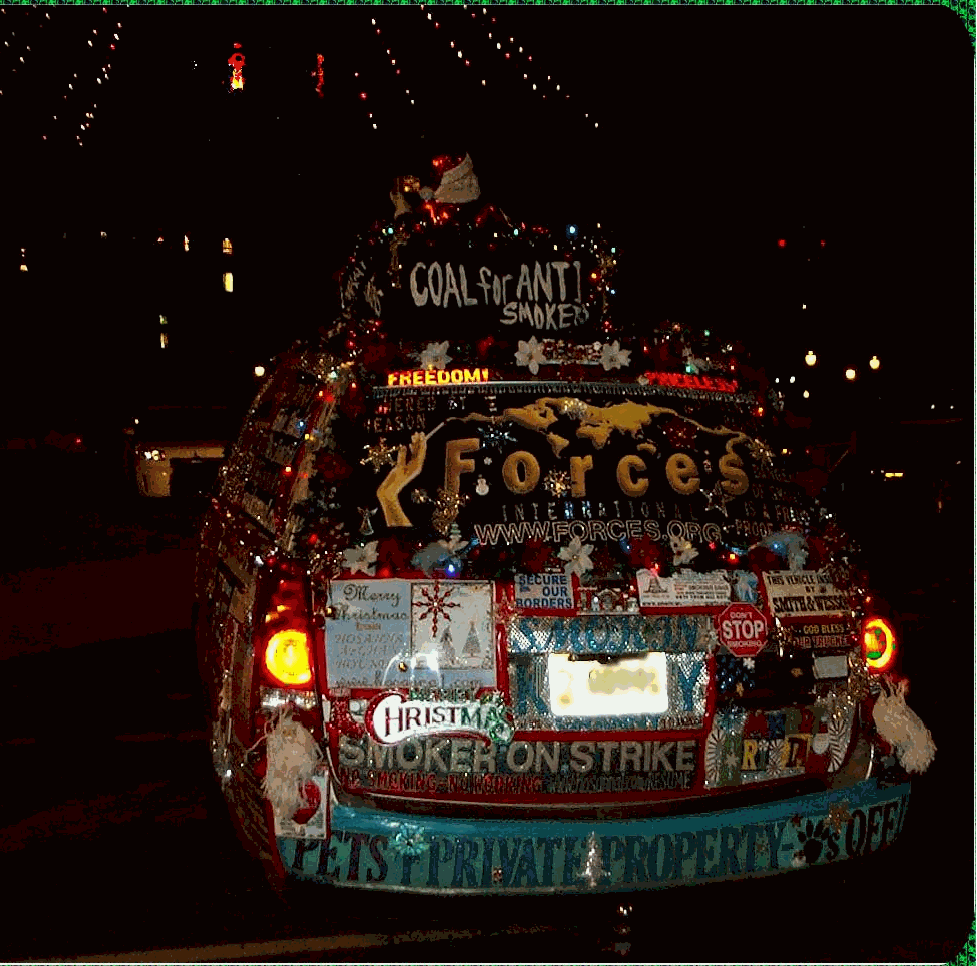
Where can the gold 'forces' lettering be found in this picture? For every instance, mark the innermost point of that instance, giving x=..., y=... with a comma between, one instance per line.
x=522, y=471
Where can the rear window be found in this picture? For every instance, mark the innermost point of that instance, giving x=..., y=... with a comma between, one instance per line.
x=479, y=478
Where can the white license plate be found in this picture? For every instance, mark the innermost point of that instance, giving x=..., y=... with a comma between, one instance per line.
x=831, y=666
x=623, y=686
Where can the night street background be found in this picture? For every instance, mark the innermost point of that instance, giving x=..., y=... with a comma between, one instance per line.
x=798, y=178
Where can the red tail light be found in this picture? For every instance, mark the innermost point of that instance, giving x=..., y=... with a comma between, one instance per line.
x=878, y=644
x=285, y=646
x=285, y=638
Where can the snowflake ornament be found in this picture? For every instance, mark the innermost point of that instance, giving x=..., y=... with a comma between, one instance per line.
x=379, y=455
x=495, y=437
x=614, y=357
x=577, y=557
x=557, y=482
x=530, y=354
x=435, y=356
x=410, y=840
x=434, y=603
x=361, y=559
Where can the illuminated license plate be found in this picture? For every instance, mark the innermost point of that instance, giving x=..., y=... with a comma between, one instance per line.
x=628, y=685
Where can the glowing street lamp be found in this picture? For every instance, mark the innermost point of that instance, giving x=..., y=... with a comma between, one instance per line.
x=874, y=362
x=811, y=359
x=850, y=374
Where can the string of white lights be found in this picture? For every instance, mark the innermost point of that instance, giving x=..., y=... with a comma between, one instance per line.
x=21, y=58
x=454, y=45
x=515, y=53
x=74, y=108
x=395, y=67
x=363, y=88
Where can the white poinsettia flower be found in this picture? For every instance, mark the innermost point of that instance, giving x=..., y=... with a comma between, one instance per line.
x=613, y=356
x=530, y=354
x=361, y=559
x=576, y=557
x=682, y=551
x=435, y=356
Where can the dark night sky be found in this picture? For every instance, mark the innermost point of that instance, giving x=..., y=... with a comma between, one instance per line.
x=721, y=129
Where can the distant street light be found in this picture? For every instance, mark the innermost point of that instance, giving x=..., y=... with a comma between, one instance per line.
x=874, y=362
x=811, y=359
x=850, y=374
x=259, y=371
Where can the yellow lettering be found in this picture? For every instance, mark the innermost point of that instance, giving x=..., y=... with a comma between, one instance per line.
x=682, y=474
x=454, y=465
x=520, y=472
x=735, y=481
x=578, y=467
x=631, y=486
x=750, y=746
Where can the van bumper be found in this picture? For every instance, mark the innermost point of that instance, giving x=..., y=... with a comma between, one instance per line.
x=411, y=853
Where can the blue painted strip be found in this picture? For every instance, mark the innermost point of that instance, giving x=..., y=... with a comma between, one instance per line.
x=862, y=795
x=420, y=853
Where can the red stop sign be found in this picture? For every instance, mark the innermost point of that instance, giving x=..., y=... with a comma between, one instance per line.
x=742, y=629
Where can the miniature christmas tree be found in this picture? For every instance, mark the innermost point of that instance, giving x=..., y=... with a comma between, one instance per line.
x=447, y=649
x=593, y=864
x=472, y=644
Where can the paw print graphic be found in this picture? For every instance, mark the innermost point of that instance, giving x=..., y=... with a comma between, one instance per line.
x=813, y=838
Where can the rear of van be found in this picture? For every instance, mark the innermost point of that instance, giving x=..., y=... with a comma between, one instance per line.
x=499, y=594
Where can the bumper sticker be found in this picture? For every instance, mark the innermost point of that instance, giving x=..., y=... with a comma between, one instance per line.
x=471, y=766
x=384, y=851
